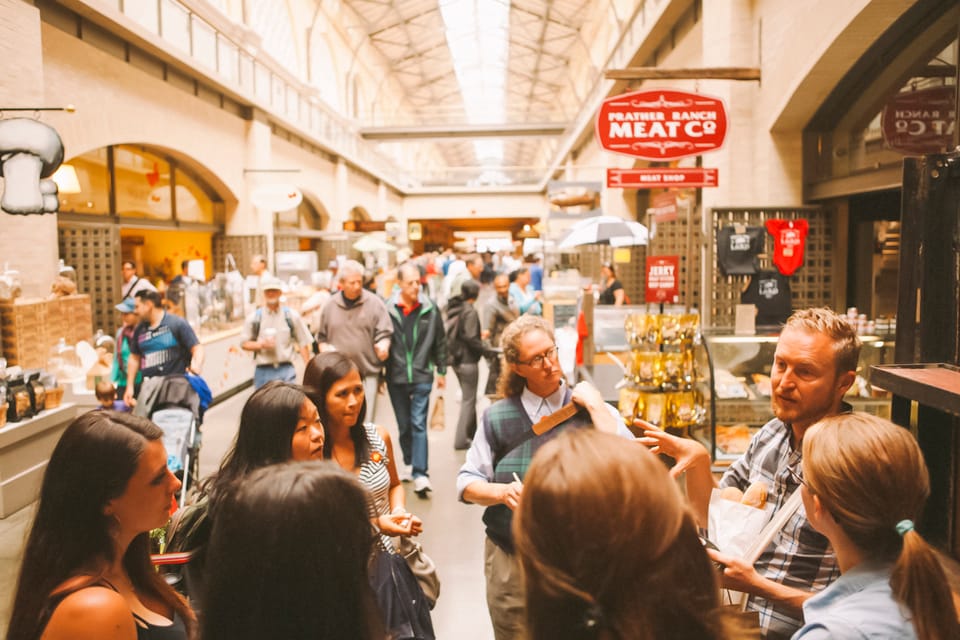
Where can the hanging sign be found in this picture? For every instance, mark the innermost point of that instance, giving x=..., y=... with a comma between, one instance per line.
x=663, y=278
x=922, y=121
x=663, y=207
x=661, y=178
x=276, y=197
x=661, y=124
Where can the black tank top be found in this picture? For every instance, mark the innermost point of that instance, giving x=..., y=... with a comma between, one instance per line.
x=177, y=630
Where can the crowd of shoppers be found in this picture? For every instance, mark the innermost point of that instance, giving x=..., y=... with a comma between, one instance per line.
x=587, y=534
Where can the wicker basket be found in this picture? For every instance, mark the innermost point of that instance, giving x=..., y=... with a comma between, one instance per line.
x=54, y=397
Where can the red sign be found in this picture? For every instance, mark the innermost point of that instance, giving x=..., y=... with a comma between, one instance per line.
x=921, y=121
x=661, y=124
x=663, y=207
x=663, y=278
x=661, y=178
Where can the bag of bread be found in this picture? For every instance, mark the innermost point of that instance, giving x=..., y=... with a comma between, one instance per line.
x=736, y=518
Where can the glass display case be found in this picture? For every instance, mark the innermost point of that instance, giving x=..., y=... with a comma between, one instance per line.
x=739, y=388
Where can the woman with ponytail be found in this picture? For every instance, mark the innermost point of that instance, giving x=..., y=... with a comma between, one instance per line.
x=864, y=485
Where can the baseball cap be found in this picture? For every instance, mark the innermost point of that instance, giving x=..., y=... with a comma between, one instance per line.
x=126, y=306
x=272, y=283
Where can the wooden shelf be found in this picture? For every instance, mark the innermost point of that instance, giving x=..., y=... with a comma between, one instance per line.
x=935, y=385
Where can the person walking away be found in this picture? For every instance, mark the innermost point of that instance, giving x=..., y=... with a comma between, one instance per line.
x=533, y=387
x=497, y=314
x=813, y=367
x=131, y=284
x=418, y=349
x=118, y=374
x=275, y=334
x=474, y=268
x=163, y=344
x=356, y=322
x=465, y=348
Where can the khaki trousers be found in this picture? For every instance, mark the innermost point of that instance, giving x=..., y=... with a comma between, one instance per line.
x=504, y=592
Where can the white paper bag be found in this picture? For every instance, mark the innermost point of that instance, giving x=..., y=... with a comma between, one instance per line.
x=734, y=527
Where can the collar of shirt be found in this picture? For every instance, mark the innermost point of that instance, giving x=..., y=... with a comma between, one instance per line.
x=405, y=309
x=537, y=407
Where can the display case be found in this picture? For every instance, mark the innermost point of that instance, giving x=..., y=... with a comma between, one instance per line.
x=739, y=389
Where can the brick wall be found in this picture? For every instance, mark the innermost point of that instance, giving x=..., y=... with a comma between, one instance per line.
x=27, y=243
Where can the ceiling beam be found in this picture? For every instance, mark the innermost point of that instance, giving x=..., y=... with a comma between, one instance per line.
x=659, y=73
x=464, y=131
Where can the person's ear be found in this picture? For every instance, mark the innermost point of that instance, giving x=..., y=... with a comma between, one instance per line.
x=845, y=380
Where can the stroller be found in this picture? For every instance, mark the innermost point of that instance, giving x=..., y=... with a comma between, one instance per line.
x=175, y=407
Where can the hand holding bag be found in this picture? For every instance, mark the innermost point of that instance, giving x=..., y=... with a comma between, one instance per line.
x=437, y=416
x=422, y=567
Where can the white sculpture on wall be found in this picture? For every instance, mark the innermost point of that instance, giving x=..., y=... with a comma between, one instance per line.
x=30, y=152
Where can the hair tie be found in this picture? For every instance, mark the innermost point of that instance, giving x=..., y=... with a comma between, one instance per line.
x=593, y=617
x=904, y=526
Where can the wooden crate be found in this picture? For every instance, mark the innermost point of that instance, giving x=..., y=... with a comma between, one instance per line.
x=31, y=327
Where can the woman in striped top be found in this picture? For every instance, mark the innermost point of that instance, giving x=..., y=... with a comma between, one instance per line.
x=334, y=384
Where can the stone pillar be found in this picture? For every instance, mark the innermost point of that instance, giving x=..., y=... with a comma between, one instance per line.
x=28, y=244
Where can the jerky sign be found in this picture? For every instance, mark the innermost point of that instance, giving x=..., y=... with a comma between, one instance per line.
x=661, y=124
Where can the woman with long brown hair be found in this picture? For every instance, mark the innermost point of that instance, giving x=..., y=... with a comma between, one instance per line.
x=609, y=549
x=864, y=484
x=86, y=570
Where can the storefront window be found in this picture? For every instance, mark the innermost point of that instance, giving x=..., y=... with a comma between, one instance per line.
x=142, y=184
x=193, y=203
x=916, y=118
x=93, y=182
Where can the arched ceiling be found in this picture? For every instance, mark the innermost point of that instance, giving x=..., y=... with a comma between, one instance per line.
x=489, y=85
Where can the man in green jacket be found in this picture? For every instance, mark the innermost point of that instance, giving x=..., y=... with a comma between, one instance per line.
x=418, y=346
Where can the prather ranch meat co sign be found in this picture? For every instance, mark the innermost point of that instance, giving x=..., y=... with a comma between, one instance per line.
x=661, y=124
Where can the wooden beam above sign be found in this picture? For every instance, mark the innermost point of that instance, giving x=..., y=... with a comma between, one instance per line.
x=364, y=226
x=660, y=73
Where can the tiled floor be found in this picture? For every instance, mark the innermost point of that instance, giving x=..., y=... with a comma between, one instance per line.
x=453, y=532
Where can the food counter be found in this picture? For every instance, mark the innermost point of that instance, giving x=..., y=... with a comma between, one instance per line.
x=25, y=449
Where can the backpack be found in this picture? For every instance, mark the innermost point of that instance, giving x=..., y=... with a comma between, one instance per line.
x=258, y=314
x=451, y=327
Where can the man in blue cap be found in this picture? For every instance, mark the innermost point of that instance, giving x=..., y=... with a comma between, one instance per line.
x=124, y=337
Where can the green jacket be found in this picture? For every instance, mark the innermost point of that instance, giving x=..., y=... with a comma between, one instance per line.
x=413, y=361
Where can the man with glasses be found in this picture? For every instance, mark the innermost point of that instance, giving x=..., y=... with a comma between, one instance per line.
x=132, y=284
x=532, y=387
x=418, y=346
x=814, y=365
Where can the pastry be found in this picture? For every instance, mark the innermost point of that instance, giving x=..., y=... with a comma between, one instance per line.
x=755, y=495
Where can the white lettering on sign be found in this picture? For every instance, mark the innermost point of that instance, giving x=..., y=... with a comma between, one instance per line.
x=665, y=130
x=661, y=270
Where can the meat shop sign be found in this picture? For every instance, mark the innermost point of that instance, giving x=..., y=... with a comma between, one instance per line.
x=661, y=124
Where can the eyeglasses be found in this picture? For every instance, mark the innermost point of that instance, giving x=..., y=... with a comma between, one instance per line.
x=797, y=477
x=539, y=361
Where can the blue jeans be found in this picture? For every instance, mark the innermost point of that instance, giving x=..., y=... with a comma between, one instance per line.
x=265, y=373
x=410, y=402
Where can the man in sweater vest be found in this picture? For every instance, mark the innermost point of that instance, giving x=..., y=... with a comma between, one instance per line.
x=532, y=387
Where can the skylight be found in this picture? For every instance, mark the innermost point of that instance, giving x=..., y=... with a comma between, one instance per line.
x=477, y=33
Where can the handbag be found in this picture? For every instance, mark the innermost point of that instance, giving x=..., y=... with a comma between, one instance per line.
x=422, y=566
x=438, y=414
x=403, y=607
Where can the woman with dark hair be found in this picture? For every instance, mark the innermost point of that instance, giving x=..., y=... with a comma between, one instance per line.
x=608, y=547
x=288, y=558
x=333, y=382
x=278, y=423
x=612, y=292
x=864, y=484
x=526, y=299
x=86, y=570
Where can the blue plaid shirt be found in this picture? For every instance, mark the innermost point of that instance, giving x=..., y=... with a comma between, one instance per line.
x=798, y=556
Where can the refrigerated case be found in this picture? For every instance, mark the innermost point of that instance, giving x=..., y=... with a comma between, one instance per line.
x=740, y=388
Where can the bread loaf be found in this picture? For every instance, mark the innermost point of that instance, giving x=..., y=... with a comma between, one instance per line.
x=731, y=493
x=755, y=495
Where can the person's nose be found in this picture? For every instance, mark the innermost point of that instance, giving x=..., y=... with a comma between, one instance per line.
x=176, y=482
x=317, y=434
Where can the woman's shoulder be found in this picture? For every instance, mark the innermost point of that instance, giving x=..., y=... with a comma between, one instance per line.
x=92, y=612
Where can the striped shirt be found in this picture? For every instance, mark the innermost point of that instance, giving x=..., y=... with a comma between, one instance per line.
x=798, y=556
x=374, y=475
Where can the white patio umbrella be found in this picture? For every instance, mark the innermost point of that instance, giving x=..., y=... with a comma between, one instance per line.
x=611, y=230
x=370, y=244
